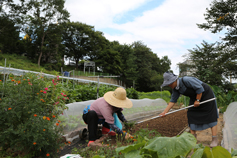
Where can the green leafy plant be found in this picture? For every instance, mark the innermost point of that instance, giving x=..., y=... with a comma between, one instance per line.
x=224, y=98
x=161, y=147
x=201, y=151
x=129, y=125
x=30, y=106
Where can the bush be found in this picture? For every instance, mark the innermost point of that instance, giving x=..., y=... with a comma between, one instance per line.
x=155, y=94
x=132, y=93
x=223, y=98
x=30, y=106
x=84, y=92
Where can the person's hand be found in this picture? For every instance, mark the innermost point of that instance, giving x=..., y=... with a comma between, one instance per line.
x=127, y=136
x=196, y=104
x=162, y=114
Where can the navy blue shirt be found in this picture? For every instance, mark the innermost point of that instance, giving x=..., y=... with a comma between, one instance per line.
x=190, y=82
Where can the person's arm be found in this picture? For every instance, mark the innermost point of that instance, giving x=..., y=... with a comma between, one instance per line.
x=197, y=101
x=167, y=109
x=119, y=131
x=121, y=116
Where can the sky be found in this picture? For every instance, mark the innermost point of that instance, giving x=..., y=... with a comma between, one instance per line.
x=167, y=27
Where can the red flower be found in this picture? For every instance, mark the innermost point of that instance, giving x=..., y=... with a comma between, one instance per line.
x=48, y=118
x=34, y=143
x=57, y=124
x=35, y=115
x=53, y=116
x=9, y=108
x=47, y=154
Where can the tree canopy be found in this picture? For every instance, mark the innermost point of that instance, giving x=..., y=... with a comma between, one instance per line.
x=49, y=36
x=222, y=16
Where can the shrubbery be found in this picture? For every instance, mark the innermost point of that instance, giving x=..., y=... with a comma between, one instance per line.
x=30, y=106
x=84, y=92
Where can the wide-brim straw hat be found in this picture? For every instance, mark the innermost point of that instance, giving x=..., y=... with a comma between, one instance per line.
x=118, y=98
x=169, y=78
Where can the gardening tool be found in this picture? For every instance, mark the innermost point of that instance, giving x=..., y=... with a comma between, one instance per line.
x=177, y=110
x=83, y=133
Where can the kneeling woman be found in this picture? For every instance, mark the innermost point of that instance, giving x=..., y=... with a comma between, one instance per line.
x=101, y=111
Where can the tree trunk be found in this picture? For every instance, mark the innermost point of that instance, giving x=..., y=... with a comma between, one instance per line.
x=41, y=53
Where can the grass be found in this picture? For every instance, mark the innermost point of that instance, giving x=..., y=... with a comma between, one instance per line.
x=21, y=62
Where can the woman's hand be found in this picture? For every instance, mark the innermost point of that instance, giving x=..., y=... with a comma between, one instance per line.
x=196, y=104
x=127, y=136
x=162, y=114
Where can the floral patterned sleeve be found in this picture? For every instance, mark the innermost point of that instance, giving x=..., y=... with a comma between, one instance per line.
x=116, y=129
x=121, y=116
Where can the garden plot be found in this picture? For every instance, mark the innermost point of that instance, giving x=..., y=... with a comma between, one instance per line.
x=72, y=121
x=170, y=125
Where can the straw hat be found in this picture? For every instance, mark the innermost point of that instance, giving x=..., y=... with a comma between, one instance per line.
x=169, y=78
x=118, y=98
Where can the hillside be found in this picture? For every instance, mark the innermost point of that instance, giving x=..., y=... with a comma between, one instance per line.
x=21, y=62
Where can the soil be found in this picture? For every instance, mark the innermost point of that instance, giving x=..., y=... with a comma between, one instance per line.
x=171, y=125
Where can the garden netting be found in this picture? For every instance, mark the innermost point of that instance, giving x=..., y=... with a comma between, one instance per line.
x=72, y=121
x=230, y=127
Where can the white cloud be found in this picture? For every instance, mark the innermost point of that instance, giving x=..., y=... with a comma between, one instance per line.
x=100, y=13
x=169, y=29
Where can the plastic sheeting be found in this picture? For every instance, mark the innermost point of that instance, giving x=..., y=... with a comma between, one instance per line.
x=71, y=119
x=230, y=127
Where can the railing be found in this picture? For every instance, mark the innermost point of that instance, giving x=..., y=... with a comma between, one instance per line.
x=8, y=70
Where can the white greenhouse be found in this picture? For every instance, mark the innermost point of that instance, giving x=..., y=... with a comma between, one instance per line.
x=230, y=127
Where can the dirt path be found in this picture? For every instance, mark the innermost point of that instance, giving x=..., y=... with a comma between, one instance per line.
x=205, y=136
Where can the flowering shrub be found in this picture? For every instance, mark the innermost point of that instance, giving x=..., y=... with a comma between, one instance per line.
x=30, y=106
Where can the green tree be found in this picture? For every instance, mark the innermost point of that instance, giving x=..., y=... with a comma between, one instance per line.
x=221, y=16
x=109, y=61
x=105, y=57
x=42, y=18
x=149, y=69
x=9, y=36
x=78, y=40
x=128, y=61
x=208, y=63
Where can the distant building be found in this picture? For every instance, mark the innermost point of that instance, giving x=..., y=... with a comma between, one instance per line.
x=188, y=71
